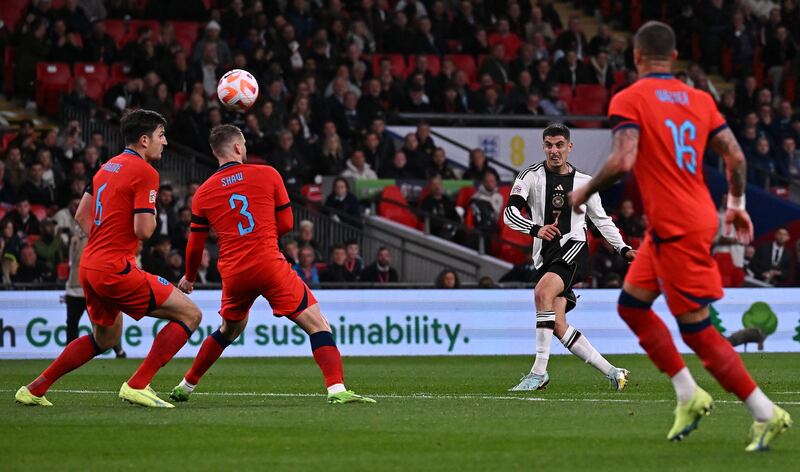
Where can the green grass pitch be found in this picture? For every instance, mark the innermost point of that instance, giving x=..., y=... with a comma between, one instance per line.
x=433, y=413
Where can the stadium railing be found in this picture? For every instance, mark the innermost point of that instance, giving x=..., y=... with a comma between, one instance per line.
x=179, y=164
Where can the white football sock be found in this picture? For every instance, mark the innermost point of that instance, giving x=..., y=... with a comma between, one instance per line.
x=685, y=386
x=577, y=344
x=187, y=386
x=761, y=407
x=336, y=388
x=545, y=323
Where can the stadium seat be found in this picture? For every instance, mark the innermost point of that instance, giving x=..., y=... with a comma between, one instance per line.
x=6, y=140
x=180, y=99
x=398, y=64
x=509, y=245
x=31, y=238
x=117, y=30
x=39, y=211
x=464, y=195
x=454, y=45
x=95, y=88
x=464, y=62
x=582, y=106
x=566, y=93
x=732, y=276
x=12, y=13
x=434, y=65
x=135, y=25
x=3, y=212
x=186, y=33
x=97, y=70
x=393, y=205
x=52, y=79
x=62, y=271
x=591, y=92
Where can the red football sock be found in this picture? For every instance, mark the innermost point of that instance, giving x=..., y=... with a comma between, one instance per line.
x=653, y=334
x=330, y=363
x=77, y=353
x=167, y=343
x=209, y=353
x=719, y=358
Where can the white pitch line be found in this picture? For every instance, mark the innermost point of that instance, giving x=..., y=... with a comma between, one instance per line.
x=423, y=396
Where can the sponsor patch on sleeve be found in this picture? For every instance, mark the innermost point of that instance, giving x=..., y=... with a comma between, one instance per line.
x=516, y=188
x=153, y=196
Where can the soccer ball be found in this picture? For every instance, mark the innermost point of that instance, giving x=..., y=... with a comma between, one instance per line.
x=237, y=90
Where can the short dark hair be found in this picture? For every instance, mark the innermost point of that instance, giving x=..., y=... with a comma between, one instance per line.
x=221, y=136
x=655, y=40
x=556, y=129
x=138, y=123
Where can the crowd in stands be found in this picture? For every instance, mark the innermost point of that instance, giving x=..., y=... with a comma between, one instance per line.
x=332, y=74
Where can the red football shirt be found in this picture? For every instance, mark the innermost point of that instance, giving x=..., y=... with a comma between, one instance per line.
x=675, y=123
x=240, y=202
x=124, y=186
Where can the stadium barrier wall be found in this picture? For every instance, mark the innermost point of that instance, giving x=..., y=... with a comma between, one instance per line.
x=402, y=322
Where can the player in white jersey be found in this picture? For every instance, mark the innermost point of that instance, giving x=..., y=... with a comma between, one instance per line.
x=560, y=252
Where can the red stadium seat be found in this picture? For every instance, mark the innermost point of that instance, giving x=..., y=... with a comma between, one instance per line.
x=186, y=33
x=454, y=45
x=117, y=30
x=31, y=238
x=62, y=270
x=398, y=64
x=6, y=140
x=52, y=79
x=582, y=106
x=39, y=211
x=97, y=70
x=180, y=99
x=95, y=88
x=434, y=65
x=12, y=13
x=592, y=92
x=393, y=206
x=464, y=62
x=464, y=195
x=135, y=25
x=566, y=93
x=732, y=276
x=3, y=212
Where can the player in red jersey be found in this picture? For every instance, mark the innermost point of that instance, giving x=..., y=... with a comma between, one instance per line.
x=118, y=210
x=661, y=127
x=249, y=209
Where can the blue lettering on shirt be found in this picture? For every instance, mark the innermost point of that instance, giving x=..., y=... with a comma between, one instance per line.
x=112, y=167
x=669, y=96
x=232, y=179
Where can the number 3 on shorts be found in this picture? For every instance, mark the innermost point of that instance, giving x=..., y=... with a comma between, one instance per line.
x=243, y=211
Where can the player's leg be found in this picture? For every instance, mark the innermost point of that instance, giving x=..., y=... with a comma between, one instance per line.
x=75, y=354
x=548, y=289
x=578, y=344
x=326, y=354
x=210, y=351
x=183, y=316
x=725, y=364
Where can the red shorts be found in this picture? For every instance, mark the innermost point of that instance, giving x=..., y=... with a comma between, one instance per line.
x=132, y=291
x=284, y=290
x=681, y=268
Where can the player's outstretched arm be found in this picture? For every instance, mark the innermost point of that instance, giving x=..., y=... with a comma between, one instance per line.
x=144, y=224
x=724, y=143
x=83, y=215
x=621, y=160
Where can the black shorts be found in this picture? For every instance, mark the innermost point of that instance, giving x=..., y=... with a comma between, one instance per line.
x=571, y=264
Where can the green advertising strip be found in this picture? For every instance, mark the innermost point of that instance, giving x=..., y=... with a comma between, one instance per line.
x=369, y=189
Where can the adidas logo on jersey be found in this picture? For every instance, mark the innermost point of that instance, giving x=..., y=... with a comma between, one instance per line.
x=559, y=188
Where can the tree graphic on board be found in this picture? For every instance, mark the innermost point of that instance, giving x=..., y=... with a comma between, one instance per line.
x=761, y=316
x=715, y=319
x=796, y=337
